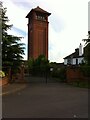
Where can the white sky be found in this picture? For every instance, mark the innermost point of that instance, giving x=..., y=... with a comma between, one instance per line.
x=68, y=23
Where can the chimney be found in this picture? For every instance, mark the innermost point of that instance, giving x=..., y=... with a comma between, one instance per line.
x=80, y=50
x=76, y=50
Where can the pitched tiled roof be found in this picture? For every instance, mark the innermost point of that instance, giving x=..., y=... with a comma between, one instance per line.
x=74, y=55
x=38, y=9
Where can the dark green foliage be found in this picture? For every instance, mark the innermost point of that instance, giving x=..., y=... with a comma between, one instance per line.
x=63, y=73
x=87, y=40
x=80, y=84
x=0, y=35
x=85, y=69
x=38, y=66
x=87, y=49
x=87, y=54
x=59, y=73
x=30, y=65
x=12, y=49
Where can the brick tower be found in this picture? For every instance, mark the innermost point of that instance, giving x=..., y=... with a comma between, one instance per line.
x=37, y=33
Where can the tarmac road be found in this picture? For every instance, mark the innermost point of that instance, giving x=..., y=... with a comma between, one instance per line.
x=52, y=100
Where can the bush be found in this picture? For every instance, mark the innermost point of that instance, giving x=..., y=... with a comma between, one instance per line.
x=59, y=73
x=85, y=70
x=2, y=74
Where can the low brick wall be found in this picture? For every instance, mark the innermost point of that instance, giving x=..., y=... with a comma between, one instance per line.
x=74, y=74
x=4, y=81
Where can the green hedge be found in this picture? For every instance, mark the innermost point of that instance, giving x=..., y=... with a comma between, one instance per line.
x=85, y=70
x=59, y=73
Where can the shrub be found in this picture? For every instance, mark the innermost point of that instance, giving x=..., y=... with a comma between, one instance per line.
x=85, y=70
x=59, y=73
x=2, y=74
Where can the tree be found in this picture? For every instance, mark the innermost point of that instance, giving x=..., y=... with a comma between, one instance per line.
x=42, y=64
x=30, y=64
x=87, y=49
x=0, y=36
x=85, y=68
x=38, y=66
x=12, y=49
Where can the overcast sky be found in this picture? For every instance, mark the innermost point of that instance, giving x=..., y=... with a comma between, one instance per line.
x=68, y=23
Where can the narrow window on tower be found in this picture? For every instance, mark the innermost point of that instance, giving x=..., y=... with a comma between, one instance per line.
x=40, y=17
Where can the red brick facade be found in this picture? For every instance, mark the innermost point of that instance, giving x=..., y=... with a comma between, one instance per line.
x=74, y=74
x=37, y=33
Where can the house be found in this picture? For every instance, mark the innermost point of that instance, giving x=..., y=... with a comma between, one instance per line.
x=75, y=58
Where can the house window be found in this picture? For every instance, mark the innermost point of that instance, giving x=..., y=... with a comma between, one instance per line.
x=69, y=61
x=76, y=61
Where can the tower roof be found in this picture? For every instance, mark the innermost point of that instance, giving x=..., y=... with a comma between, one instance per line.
x=38, y=9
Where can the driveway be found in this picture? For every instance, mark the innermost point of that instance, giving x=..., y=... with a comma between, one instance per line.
x=52, y=100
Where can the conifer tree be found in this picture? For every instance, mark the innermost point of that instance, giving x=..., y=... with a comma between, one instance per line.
x=12, y=48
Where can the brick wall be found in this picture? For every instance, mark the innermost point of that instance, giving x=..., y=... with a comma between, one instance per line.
x=74, y=74
x=4, y=81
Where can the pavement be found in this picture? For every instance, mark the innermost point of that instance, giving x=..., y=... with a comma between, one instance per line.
x=11, y=88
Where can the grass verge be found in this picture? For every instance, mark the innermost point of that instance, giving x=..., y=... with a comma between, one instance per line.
x=81, y=84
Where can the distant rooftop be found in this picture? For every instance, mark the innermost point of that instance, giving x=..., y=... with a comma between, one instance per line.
x=74, y=55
